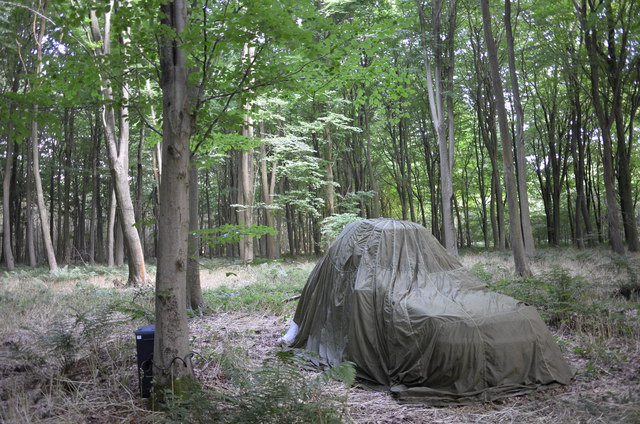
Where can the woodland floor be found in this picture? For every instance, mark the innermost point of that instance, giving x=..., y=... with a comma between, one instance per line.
x=56, y=368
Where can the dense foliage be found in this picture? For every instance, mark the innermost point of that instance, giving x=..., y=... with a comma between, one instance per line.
x=330, y=101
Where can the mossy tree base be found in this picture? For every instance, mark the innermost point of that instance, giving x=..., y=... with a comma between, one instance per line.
x=178, y=388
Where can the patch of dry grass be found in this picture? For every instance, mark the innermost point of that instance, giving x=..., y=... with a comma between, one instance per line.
x=98, y=382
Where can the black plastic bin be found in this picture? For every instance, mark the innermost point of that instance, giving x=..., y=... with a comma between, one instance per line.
x=144, y=345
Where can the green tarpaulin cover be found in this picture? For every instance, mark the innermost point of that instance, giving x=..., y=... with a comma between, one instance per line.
x=388, y=297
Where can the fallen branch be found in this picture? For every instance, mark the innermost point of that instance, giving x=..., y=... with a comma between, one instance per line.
x=291, y=299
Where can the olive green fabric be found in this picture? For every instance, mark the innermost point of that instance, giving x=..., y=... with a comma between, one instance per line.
x=388, y=297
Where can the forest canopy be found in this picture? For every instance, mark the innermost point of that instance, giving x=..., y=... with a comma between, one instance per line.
x=307, y=115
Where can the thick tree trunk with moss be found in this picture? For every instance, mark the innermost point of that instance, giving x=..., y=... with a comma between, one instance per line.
x=171, y=343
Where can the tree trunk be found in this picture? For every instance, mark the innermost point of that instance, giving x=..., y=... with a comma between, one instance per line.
x=330, y=190
x=436, y=105
x=268, y=193
x=245, y=199
x=111, y=226
x=16, y=204
x=246, y=176
x=207, y=186
x=515, y=228
x=428, y=160
x=620, y=21
x=479, y=154
x=93, y=225
x=139, y=189
x=485, y=110
x=605, y=123
x=118, y=148
x=521, y=163
x=66, y=208
x=374, y=186
x=194, y=289
x=6, y=214
x=171, y=332
x=42, y=208
x=118, y=245
x=577, y=153
x=31, y=245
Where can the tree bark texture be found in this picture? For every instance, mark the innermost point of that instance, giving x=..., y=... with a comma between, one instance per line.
x=194, y=289
x=118, y=149
x=436, y=94
x=268, y=194
x=523, y=196
x=605, y=122
x=171, y=342
x=515, y=228
x=7, y=246
x=42, y=207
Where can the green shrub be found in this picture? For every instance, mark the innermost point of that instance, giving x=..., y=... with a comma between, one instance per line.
x=333, y=225
x=278, y=392
x=258, y=297
x=74, y=324
x=556, y=293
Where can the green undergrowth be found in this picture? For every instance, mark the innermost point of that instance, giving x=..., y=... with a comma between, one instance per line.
x=73, y=272
x=273, y=293
x=72, y=342
x=279, y=391
x=58, y=328
x=566, y=299
x=264, y=298
x=67, y=341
